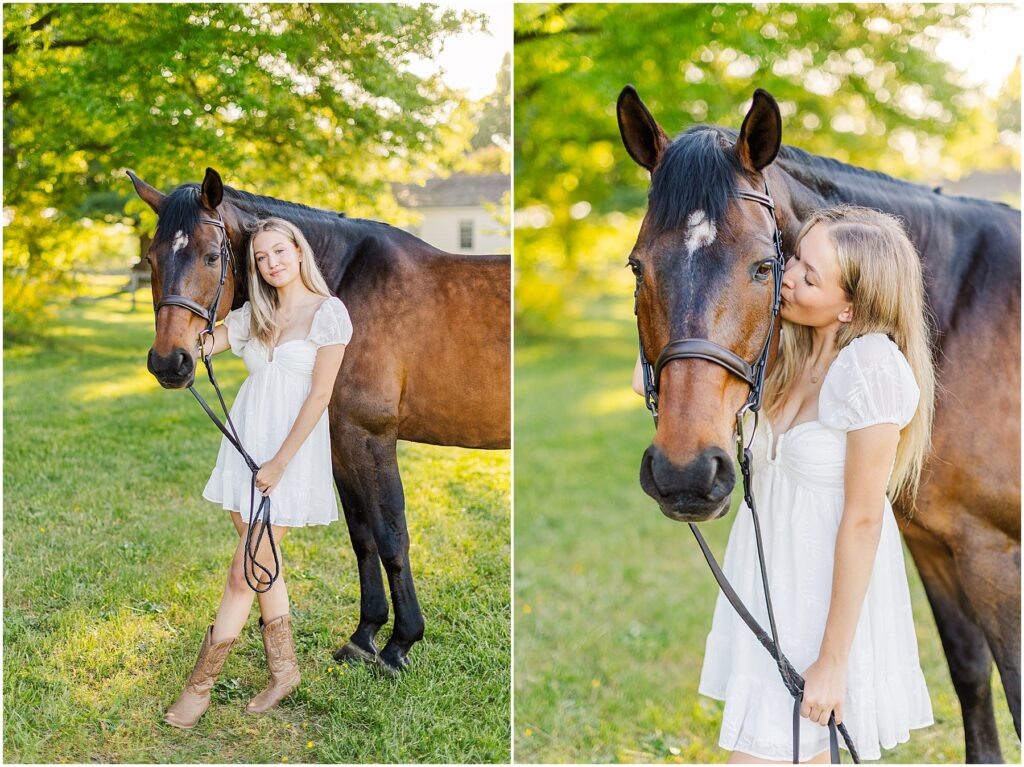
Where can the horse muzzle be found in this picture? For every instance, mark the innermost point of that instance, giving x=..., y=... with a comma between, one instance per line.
x=697, y=492
x=176, y=370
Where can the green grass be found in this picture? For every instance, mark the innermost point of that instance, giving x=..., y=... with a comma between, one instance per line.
x=114, y=565
x=613, y=600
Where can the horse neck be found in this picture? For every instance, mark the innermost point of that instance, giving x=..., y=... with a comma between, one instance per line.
x=812, y=186
x=944, y=230
x=335, y=240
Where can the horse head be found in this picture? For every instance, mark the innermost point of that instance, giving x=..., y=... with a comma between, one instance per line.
x=189, y=257
x=703, y=266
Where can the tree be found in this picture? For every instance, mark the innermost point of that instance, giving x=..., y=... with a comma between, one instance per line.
x=496, y=116
x=308, y=102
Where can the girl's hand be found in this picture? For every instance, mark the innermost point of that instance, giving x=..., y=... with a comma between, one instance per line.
x=638, y=377
x=824, y=691
x=269, y=475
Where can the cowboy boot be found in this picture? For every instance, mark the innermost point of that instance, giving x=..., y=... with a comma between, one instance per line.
x=195, y=699
x=284, y=666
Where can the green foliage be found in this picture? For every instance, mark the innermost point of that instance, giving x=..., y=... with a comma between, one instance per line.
x=305, y=102
x=496, y=116
x=858, y=82
x=493, y=138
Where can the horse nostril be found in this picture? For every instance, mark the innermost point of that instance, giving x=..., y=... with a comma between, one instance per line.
x=712, y=464
x=184, y=363
x=721, y=476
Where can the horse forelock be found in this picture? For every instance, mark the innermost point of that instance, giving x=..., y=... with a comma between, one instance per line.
x=696, y=174
x=182, y=210
x=179, y=213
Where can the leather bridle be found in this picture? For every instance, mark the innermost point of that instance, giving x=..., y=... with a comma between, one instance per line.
x=261, y=519
x=753, y=376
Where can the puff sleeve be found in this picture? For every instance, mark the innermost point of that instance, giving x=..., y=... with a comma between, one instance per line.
x=871, y=383
x=238, y=322
x=331, y=325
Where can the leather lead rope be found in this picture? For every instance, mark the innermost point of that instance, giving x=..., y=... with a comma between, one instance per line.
x=754, y=377
x=260, y=520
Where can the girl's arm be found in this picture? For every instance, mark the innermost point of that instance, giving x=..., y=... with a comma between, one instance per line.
x=638, y=377
x=869, y=455
x=325, y=372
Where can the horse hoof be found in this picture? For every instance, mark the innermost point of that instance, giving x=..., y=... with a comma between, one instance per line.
x=353, y=652
x=393, y=661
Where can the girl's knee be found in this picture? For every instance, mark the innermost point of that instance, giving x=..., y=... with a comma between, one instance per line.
x=236, y=581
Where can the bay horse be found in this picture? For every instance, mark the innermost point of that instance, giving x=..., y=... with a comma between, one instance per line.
x=965, y=532
x=429, y=362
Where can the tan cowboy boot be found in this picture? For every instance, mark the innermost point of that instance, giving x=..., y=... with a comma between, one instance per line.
x=196, y=697
x=284, y=666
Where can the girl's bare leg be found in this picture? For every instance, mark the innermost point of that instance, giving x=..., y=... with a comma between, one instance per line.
x=273, y=603
x=738, y=757
x=236, y=604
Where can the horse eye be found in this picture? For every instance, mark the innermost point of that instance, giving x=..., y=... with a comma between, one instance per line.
x=764, y=270
x=213, y=259
x=638, y=271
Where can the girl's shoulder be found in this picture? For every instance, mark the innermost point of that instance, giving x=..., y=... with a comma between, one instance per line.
x=331, y=323
x=871, y=382
x=871, y=351
x=245, y=310
x=871, y=345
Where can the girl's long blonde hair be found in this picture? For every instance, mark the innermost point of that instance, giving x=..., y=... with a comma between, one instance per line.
x=880, y=273
x=263, y=298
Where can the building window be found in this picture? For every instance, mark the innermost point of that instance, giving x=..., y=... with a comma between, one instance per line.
x=466, y=234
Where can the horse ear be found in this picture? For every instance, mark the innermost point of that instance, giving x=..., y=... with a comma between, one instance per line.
x=213, y=189
x=643, y=137
x=761, y=134
x=153, y=197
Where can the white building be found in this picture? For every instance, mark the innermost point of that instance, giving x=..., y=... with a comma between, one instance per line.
x=460, y=214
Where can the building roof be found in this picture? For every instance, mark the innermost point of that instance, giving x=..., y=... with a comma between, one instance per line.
x=456, y=191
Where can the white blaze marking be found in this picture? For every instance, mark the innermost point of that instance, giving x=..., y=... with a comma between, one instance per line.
x=702, y=231
x=180, y=241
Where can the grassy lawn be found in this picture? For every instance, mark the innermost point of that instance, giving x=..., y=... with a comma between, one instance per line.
x=613, y=600
x=114, y=564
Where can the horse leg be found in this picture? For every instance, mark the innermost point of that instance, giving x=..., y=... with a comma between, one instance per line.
x=374, y=501
x=373, y=603
x=964, y=643
x=354, y=474
x=991, y=584
x=392, y=535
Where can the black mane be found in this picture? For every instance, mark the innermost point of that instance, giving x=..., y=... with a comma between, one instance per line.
x=181, y=209
x=697, y=171
x=265, y=207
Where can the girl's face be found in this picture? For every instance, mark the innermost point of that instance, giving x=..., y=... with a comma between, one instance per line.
x=277, y=257
x=811, y=290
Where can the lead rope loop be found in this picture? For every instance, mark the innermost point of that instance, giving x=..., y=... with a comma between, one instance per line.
x=261, y=518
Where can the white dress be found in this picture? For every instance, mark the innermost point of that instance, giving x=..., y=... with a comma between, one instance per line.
x=799, y=497
x=263, y=413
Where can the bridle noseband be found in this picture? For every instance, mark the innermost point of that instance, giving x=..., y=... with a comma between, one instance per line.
x=261, y=518
x=753, y=376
